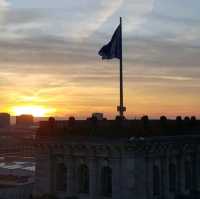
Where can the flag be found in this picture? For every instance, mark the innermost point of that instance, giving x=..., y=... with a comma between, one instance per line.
x=114, y=48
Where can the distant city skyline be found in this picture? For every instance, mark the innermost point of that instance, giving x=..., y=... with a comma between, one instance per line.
x=49, y=63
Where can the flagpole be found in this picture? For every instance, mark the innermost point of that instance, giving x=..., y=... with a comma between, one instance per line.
x=121, y=109
x=111, y=50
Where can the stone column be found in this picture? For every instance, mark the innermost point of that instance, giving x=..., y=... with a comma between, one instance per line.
x=194, y=170
x=71, y=176
x=93, y=178
x=147, y=176
x=43, y=175
x=181, y=173
x=116, y=176
x=128, y=174
x=198, y=170
x=139, y=175
x=150, y=176
x=164, y=176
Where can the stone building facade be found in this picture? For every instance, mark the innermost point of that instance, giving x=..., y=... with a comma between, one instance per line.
x=99, y=167
x=16, y=192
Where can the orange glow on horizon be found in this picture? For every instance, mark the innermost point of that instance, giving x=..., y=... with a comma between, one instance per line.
x=36, y=111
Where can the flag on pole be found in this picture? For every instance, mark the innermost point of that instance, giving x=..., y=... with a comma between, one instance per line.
x=114, y=48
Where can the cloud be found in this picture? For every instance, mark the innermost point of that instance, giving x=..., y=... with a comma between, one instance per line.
x=49, y=55
x=178, y=9
x=94, y=19
x=29, y=37
x=4, y=3
x=173, y=20
x=137, y=10
x=152, y=57
x=20, y=23
x=74, y=20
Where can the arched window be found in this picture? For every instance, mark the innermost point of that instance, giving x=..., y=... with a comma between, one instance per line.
x=83, y=175
x=156, y=180
x=106, y=181
x=188, y=175
x=172, y=177
x=61, y=177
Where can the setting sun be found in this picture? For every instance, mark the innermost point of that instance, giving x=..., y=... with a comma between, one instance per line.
x=36, y=111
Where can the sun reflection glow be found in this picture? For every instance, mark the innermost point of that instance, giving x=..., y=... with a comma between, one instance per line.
x=36, y=111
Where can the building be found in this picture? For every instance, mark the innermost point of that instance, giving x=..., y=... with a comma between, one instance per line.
x=4, y=120
x=15, y=189
x=118, y=159
x=16, y=182
x=24, y=120
x=16, y=176
x=98, y=116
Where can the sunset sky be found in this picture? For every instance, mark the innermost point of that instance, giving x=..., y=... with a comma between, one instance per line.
x=49, y=57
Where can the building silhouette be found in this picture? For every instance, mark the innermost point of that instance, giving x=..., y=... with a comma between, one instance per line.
x=4, y=120
x=24, y=120
x=143, y=159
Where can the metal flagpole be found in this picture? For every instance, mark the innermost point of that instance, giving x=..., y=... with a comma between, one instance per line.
x=121, y=109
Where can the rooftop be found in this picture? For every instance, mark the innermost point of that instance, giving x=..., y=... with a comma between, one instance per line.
x=92, y=127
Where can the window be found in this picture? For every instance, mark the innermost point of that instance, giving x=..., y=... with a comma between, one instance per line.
x=83, y=174
x=156, y=180
x=61, y=177
x=172, y=177
x=106, y=181
x=188, y=175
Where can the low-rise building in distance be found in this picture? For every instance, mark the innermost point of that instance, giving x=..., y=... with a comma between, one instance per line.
x=24, y=120
x=4, y=120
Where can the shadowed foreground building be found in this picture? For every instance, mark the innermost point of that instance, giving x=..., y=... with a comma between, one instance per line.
x=118, y=159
